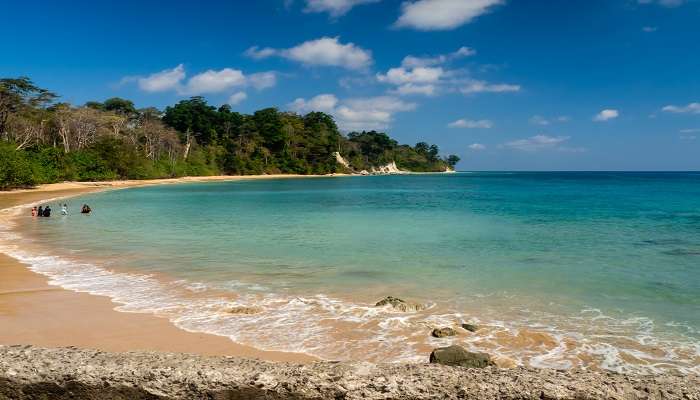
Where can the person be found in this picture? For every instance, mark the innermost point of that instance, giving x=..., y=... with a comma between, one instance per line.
x=47, y=211
x=34, y=211
x=64, y=209
x=40, y=211
x=86, y=209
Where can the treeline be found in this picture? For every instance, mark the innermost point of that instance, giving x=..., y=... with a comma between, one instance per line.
x=43, y=140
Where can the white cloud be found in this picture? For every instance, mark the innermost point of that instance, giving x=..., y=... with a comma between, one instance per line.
x=356, y=113
x=212, y=81
x=429, y=15
x=477, y=146
x=335, y=8
x=263, y=80
x=649, y=29
x=476, y=86
x=692, y=108
x=411, y=88
x=688, y=137
x=258, y=54
x=427, y=61
x=693, y=130
x=325, y=51
x=471, y=124
x=398, y=76
x=542, y=121
x=167, y=79
x=606, y=115
x=237, y=98
x=537, y=142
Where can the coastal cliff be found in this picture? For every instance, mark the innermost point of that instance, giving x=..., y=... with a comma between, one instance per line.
x=28, y=372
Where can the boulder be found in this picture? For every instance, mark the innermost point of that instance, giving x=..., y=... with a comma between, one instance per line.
x=470, y=327
x=457, y=356
x=443, y=332
x=399, y=304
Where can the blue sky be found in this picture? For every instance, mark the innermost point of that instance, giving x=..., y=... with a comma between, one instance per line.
x=505, y=84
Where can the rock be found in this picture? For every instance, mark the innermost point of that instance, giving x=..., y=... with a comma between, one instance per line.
x=443, y=332
x=470, y=327
x=458, y=356
x=28, y=372
x=244, y=310
x=399, y=304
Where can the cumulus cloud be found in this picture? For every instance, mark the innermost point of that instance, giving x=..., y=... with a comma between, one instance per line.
x=212, y=81
x=258, y=53
x=168, y=79
x=326, y=51
x=477, y=146
x=237, y=98
x=606, y=115
x=263, y=80
x=430, y=15
x=355, y=113
x=476, y=86
x=428, y=61
x=209, y=81
x=692, y=108
x=424, y=75
x=335, y=8
x=537, y=142
x=471, y=124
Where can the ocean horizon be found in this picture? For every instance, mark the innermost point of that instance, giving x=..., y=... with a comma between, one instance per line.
x=557, y=269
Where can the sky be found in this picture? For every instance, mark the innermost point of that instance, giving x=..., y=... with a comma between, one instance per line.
x=504, y=84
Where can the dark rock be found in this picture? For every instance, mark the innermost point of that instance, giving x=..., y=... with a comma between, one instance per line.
x=443, y=332
x=470, y=327
x=399, y=304
x=458, y=356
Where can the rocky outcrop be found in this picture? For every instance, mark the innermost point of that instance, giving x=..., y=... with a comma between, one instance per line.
x=390, y=168
x=342, y=161
x=457, y=356
x=28, y=373
x=399, y=305
x=443, y=332
x=470, y=327
x=243, y=310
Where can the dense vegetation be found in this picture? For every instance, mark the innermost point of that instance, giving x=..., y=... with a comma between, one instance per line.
x=43, y=141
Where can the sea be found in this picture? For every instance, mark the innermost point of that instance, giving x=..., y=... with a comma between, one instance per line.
x=594, y=270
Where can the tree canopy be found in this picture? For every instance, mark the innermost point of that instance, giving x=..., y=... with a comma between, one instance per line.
x=46, y=141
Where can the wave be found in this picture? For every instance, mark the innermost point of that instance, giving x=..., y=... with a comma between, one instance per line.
x=334, y=329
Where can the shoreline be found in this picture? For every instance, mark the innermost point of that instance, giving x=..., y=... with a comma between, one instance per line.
x=34, y=312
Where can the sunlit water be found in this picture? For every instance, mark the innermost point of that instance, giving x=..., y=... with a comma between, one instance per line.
x=594, y=270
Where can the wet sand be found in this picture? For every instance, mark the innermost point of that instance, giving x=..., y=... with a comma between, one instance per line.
x=34, y=312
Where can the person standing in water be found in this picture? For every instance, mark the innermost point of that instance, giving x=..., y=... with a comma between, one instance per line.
x=86, y=209
x=40, y=211
x=47, y=211
x=34, y=211
x=64, y=209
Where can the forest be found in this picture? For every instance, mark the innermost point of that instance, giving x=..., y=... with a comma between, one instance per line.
x=43, y=140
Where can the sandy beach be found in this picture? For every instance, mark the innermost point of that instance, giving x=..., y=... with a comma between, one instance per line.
x=34, y=312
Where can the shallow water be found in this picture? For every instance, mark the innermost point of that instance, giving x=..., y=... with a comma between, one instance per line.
x=595, y=270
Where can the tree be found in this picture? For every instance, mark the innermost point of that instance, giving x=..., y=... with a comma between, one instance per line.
x=452, y=160
x=120, y=106
x=20, y=94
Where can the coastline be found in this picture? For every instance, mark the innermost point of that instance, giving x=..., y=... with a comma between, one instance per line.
x=34, y=312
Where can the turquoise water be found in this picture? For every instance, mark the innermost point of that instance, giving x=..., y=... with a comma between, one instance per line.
x=561, y=269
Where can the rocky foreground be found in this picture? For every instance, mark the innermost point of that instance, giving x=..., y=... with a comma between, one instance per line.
x=35, y=373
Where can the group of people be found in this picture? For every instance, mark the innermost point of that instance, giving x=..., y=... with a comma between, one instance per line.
x=45, y=211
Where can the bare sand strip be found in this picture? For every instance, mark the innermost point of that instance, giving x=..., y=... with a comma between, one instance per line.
x=35, y=373
x=34, y=312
